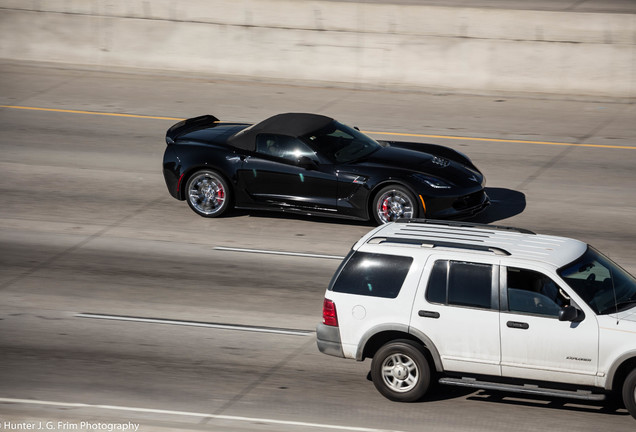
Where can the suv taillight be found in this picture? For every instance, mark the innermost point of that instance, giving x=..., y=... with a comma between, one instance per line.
x=329, y=316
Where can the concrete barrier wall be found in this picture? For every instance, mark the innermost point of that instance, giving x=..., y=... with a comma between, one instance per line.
x=362, y=44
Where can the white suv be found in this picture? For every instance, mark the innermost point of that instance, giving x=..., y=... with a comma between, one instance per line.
x=483, y=306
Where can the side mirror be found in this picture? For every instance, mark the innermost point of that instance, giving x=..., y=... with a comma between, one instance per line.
x=307, y=163
x=571, y=313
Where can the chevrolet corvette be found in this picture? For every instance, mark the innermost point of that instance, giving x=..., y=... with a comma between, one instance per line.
x=312, y=164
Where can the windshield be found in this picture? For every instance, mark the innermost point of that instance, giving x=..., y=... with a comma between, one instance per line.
x=341, y=143
x=604, y=286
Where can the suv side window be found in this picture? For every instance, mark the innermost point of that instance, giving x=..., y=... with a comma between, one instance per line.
x=460, y=283
x=436, y=289
x=533, y=293
x=376, y=275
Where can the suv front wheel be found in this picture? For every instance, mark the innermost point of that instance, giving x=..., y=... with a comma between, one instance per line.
x=629, y=393
x=400, y=371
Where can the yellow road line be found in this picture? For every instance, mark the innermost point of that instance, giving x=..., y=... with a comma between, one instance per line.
x=90, y=112
x=448, y=137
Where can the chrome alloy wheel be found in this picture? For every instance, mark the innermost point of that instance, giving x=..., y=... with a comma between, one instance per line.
x=394, y=204
x=400, y=373
x=206, y=193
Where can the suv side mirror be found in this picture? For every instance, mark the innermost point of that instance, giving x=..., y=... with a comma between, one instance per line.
x=307, y=163
x=571, y=313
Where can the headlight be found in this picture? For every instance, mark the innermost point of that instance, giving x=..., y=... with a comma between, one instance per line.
x=433, y=182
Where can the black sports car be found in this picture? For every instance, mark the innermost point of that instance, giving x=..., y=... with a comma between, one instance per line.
x=312, y=164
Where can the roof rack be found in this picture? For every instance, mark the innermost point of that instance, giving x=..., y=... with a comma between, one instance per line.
x=434, y=243
x=466, y=225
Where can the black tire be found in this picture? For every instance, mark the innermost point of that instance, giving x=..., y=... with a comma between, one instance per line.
x=400, y=371
x=208, y=193
x=393, y=202
x=629, y=393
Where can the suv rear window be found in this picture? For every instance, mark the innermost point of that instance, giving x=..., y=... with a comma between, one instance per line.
x=375, y=275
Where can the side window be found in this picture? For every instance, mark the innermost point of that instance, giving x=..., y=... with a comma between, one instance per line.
x=283, y=146
x=436, y=289
x=533, y=293
x=470, y=284
x=375, y=275
x=460, y=283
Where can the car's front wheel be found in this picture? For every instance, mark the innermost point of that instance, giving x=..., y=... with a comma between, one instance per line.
x=400, y=371
x=392, y=203
x=208, y=193
x=629, y=393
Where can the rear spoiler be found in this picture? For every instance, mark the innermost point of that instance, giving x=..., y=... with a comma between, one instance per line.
x=185, y=126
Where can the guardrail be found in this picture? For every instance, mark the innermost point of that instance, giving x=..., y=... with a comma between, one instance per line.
x=359, y=44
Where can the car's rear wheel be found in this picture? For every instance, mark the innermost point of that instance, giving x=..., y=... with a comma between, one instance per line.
x=400, y=371
x=629, y=393
x=207, y=193
x=392, y=203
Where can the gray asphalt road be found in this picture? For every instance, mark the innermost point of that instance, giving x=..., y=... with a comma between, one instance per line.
x=86, y=226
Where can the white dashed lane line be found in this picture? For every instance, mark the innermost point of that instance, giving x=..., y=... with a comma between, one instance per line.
x=271, y=252
x=222, y=326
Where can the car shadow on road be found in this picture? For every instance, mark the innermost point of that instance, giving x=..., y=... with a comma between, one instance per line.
x=609, y=407
x=438, y=392
x=504, y=203
x=297, y=216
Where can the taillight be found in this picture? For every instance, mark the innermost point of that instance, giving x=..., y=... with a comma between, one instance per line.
x=329, y=316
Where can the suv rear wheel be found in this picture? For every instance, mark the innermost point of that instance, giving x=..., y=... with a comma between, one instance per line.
x=629, y=393
x=400, y=371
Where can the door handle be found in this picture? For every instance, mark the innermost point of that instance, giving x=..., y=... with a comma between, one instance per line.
x=518, y=325
x=428, y=314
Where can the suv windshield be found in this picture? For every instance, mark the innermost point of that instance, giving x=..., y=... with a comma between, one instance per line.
x=342, y=143
x=604, y=286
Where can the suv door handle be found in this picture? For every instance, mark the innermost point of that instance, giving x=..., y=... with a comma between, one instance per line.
x=428, y=314
x=518, y=325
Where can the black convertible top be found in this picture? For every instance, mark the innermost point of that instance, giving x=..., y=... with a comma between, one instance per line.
x=291, y=124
